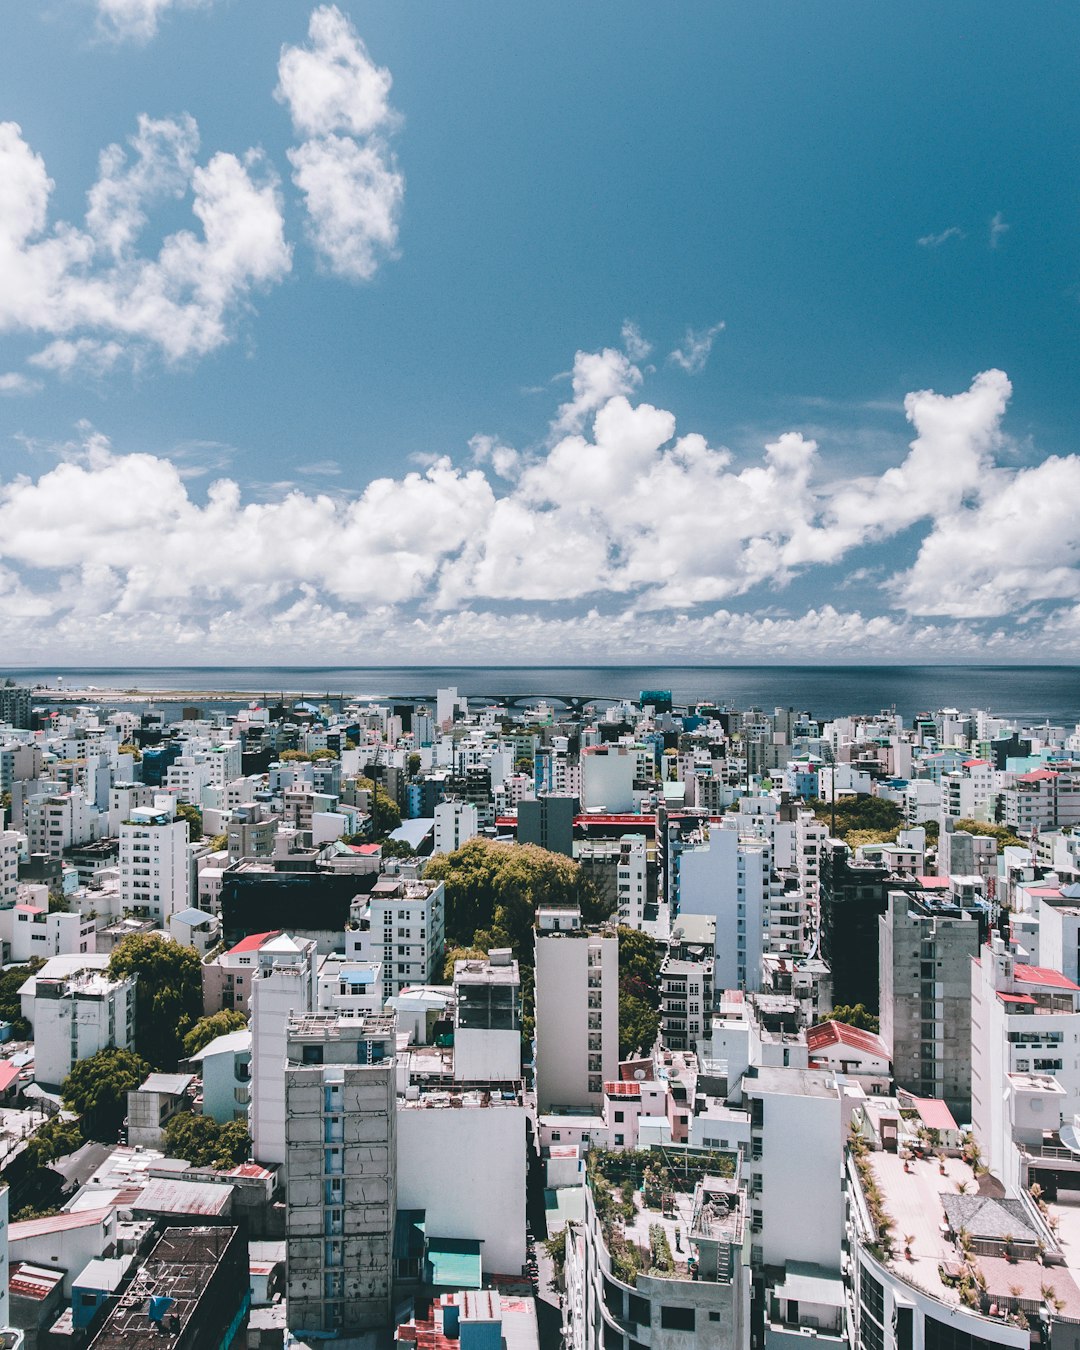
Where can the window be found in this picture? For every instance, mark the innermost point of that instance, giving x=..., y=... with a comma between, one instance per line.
x=620, y=1116
x=638, y=1310
x=676, y=1319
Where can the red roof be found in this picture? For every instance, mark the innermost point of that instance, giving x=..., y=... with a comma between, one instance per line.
x=934, y=883
x=1042, y=890
x=622, y=1089
x=8, y=1073
x=839, y=1033
x=973, y=763
x=1043, y=975
x=365, y=850
x=1015, y=998
x=57, y=1223
x=1036, y=776
x=254, y=941
x=934, y=1114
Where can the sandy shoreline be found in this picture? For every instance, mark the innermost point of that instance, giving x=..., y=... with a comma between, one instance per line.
x=192, y=696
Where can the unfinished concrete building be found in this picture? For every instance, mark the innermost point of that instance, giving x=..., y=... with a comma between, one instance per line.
x=341, y=1190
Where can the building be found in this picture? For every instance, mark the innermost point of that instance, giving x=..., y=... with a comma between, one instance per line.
x=549, y=822
x=924, y=951
x=341, y=1188
x=728, y=876
x=59, y=821
x=1024, y=1020
x=577, y=1010
x=402, y=926
x=190, y=1292
x=853, y=896
x=672, y=1277
x=487, y=1019
x=456, y=822
x=285, y=986
x=225, y=1068
x=76, y=1009
x=15, y=708
x=155, y=872
x=686, y=1000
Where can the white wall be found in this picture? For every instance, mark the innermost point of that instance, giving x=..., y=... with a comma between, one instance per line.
x=466, y=1168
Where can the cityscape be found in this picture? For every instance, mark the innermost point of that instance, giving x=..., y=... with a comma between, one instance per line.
x=539, y=675
x=574, y=1022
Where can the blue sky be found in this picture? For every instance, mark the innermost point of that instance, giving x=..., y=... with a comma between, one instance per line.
x=443, y=213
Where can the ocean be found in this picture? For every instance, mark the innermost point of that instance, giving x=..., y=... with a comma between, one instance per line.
x=1025, y=693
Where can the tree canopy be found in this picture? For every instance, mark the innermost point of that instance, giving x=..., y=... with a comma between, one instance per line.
x=494, y=890
x=205, y=1143
x=210, y=1027
x=97, y=1089
x=862, y=812
x=11, y=981
x=168, y=994
x=639, y=991
x=1006, y=837
x=855, y=1015
x=193, y=816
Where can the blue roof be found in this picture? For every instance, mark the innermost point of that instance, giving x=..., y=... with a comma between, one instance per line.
x=358, y=976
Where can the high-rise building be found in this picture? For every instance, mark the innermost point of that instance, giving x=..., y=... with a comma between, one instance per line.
x=341, y=1187
x=577, y=1010
x=284, y=985
x=456, y=822
x=155, y=867
x=924, y=953
x=549, y=822
x=15, y=705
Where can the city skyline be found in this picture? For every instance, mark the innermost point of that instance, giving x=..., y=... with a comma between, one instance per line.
x=733, y=337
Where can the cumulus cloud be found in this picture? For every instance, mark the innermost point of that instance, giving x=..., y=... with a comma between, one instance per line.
x=353, y=190
x=619, y=511
x=137, y=20
x=94, y=292
x=694, y=353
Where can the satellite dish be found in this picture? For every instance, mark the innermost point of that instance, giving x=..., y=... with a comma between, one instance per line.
x=639, y=1075
x=1070, y=1137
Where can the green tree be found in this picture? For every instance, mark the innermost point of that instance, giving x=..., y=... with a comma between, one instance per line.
x=205, y=1143
x=97, y=1089
x=493, y=891
x=397, y=848
x=11, y=981
x=639, y=1025
x=210, y=1027
x=862, y=812
x=193, y=816
x=129, y=749
x=56, y=1139
x=168, y=993
x=385, y=814
x=317, y=755
x=855, y=1015
x=1005, y=837
x=219, y=842
x=414, y=763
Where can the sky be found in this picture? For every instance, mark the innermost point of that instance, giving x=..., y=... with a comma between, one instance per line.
x=497, y=333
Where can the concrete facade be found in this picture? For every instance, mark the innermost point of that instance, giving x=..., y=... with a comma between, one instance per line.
x=341, y=1190
x=924, y=952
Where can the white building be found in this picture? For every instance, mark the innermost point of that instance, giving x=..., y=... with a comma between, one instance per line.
x=402, y=927
x=456, y=822
x=730, y=878
x=1024, y=1019
x=155, y=870
x=633, y=879
x=75, y=1010
x=577, y=1010
x=9, y=867
x=608, y=775
x=285, y=985
x=59, y=821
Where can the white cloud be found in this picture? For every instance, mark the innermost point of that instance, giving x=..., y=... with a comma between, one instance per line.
x=138, y=20
x=333, y=84
x=693, y=355
x=936, y=240
x=92, y=289
x=13, y=382
x=596, y=378
x=353, y=190
x=999, y=227
x=637, y=347
x=619, y=510
x=354, y=195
